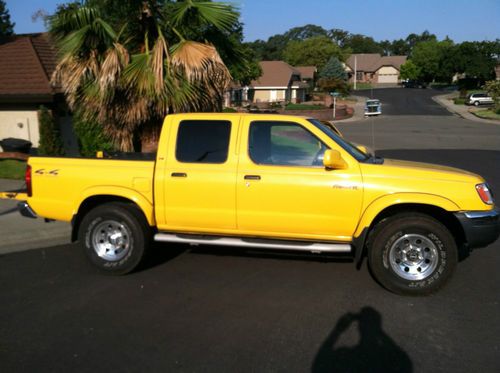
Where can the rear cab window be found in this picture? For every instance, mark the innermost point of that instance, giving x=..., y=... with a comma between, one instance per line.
x=203, y=141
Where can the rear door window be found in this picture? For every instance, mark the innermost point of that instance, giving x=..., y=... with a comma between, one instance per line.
x=203, y=141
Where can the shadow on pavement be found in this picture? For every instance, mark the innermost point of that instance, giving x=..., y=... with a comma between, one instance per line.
x=160, y=254
x=375, y=351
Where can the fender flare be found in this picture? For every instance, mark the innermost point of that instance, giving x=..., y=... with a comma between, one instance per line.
x=389, y=200
x=142, y=202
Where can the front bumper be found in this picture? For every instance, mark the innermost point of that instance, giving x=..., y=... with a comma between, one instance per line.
x=481, y=228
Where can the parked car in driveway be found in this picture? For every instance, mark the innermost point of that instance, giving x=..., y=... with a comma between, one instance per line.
x=477, y=99
x=373, y=107
x=414, y=84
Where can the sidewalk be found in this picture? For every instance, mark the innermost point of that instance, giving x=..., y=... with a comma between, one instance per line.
x=18, y=233
x=359, y=111
x=460, y=110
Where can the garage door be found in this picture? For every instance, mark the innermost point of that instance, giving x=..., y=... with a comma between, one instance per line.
x=388, y=78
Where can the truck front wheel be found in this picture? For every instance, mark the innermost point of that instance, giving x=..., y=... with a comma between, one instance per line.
x=412, y=254
x=114, y=237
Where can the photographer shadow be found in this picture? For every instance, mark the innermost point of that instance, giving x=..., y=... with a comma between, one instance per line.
x=375, y=352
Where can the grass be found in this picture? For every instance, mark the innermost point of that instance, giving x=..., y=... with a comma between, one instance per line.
x=304, y=107
x=459, y=101
x=11, y=169
x=363, y=86
x=486, y=114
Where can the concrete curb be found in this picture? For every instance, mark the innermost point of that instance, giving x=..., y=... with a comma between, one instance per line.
x=19, y=233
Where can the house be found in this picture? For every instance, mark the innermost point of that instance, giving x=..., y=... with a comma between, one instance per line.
x=279, y=82
x=26, y=65
x=374, y=68
x=497, y=72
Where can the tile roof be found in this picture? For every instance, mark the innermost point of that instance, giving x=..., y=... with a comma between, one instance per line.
x=275, y=74
x=26, y=64
x=371, y=62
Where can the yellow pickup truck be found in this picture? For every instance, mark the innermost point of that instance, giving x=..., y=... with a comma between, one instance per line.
x=268, y=182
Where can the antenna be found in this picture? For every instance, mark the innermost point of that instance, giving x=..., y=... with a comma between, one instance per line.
x=372, y=124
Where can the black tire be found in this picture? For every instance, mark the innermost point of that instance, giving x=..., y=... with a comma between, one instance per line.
x=115, y=237
x=412, y=254
x=476, y=103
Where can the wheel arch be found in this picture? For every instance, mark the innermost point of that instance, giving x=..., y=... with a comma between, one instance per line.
x=444, y=216
x=93, y=201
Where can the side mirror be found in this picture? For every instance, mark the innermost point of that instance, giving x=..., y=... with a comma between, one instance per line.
x=333, y=160
x=363, y=148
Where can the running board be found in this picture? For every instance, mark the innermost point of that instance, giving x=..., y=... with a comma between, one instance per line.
x=314, y=247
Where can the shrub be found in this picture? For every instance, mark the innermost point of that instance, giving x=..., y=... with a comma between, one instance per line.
x=493, y=89
x=91, y=136
x=50, y=136
x=229, y=110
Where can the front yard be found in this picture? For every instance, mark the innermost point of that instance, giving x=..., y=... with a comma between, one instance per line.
x=486, y=114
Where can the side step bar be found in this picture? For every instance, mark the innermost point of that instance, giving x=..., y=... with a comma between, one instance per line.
x=314, y=247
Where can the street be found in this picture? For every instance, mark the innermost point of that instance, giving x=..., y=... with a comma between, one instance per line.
x=232, y=310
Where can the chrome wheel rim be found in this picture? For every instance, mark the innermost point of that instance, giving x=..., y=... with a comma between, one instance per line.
x=413, y=257
x=111, y=240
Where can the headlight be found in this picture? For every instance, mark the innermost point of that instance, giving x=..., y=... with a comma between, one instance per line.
x=484, y=193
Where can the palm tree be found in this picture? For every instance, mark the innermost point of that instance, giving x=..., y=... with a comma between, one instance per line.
x=129, y=79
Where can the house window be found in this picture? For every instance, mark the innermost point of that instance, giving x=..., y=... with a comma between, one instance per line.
x=359, y=75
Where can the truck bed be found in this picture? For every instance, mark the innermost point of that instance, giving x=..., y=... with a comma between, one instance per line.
x=60, y=185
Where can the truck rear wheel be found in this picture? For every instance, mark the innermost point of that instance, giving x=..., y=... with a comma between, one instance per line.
x=115, y=237
x=412, y=254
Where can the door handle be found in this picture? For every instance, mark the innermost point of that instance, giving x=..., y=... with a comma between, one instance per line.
x=252, y=177
x=178, y=174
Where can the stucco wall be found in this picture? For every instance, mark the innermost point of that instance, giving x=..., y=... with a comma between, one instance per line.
x=22, y=124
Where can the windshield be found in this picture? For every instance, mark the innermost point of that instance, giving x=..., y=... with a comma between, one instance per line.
x=346, y=145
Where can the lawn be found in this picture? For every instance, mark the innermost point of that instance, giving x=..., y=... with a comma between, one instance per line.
x=363, y=86
x=304, y=107
x=486, y=114
x=11, y=169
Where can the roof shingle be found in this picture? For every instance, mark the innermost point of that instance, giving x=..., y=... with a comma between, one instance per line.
x=26, y=64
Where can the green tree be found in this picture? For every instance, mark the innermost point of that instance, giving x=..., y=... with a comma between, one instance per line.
x=362, y=44
x=314, y=51
x=50, y=136
x=339, y=36
x=413, y=39
x=128, y=78
x=493, y=89
x=333, y=69
x=6, y=26
x=409, y=71
x=477, y=59
x=432, y=59
x=399, y=48
x=273, y=48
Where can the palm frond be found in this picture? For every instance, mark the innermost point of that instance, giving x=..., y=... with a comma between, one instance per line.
x=219, y=14
x=199, y=61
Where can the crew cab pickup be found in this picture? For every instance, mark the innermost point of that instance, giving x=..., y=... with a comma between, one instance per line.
x=268, y=182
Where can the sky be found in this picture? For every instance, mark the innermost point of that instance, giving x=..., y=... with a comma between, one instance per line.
x=461, y=20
